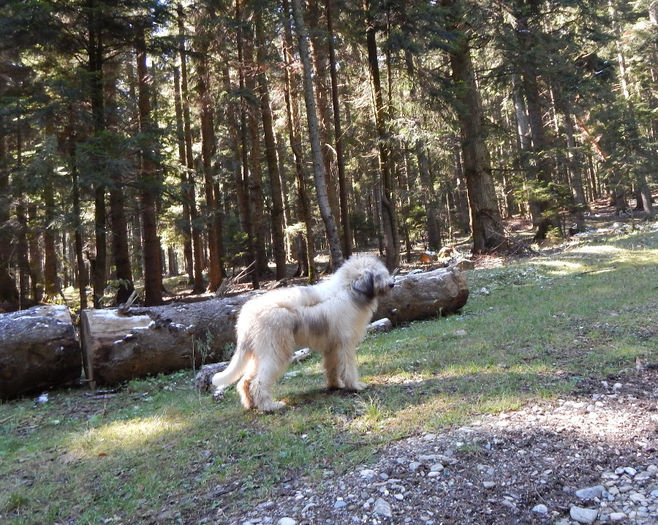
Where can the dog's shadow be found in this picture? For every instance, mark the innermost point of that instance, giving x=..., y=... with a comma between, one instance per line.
x=319, y=395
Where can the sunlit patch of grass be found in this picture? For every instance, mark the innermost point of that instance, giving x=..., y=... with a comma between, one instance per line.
x=123, y=435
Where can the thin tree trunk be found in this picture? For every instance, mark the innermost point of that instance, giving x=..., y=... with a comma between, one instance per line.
x=319, y=53
x=149, y=183
x=95, y=67
x=388, y=213
x=543, y=170
x=278, y=241
x=35, y=227
x=189, y=193
x=184, y=224
x=208, y=146
x=338, y=133
x=118, y=222
x=431, y=202
x=314, y=135
x=294, y=137
x=8, y=290
x=639, y=172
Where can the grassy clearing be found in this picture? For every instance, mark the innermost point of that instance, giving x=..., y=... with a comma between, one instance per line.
x=160, y=451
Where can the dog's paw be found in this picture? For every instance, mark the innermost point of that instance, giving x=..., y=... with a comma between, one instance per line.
x=357, y=386
x=218, y=394
x=271, y=406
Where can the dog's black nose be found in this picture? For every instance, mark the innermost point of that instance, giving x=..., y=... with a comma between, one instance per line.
x=391, y=284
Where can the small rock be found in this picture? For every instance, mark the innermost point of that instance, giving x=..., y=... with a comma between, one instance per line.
x=484, y=291
x=617, y=516
x=582, y=515
x=460, y=333
x=437, y=467
x=488, y=484
x=590, y=492
x=540, y=509
x=382, y=508
x=414, y=466
x=367, y=473
x=340, y=504
x=286, y=521
x=630, y=471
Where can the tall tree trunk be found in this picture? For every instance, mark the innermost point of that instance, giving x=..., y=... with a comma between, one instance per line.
x=388, y=213
x=184, y=224
x=294, y=137
x=431, y=202
x=314, y=135
x=319, y=55
x=338, y=133
x=118, y=222
x=51, y=279
x=486, y=222
x=278, y=241
x=244, y=181
x=189, y=193
x=148, y=181
x=35, y=227
x=208, y=146
x=8, y=290
x=542, y=171
x=639, y=172
x=95, y=67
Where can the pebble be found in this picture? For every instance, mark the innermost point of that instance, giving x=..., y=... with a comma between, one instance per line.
x=582, y=515
x=286, y=521
x=540, y=509
x=383, y=508
x=590, y=492
x=340, y=504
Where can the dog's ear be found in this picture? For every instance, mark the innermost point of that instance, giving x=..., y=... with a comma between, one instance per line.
x=365, y=285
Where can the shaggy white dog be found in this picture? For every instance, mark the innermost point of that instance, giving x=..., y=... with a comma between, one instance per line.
x=330, y=317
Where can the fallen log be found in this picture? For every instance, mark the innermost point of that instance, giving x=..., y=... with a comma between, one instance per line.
x=39, y=349
x=161, y=339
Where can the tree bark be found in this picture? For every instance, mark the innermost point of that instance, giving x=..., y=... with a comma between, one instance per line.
x=486, y=223
x=208, y=147
x=189, y=193
x=542, y=172
x=294, y=137
x=149, y=183
x=314, y=135
x=388, y=213
x=338, y=133
x=161, y=339
x=184, y=224
x=8, y=290
x=40, y=350
x=278, y=241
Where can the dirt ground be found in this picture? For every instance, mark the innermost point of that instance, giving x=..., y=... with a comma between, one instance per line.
x=526, y=466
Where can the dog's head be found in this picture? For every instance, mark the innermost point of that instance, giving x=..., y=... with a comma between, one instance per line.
x=369, y=277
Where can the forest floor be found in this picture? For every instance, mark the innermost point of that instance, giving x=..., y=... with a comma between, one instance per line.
x=538, y=403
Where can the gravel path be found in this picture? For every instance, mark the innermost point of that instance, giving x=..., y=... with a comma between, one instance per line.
x=589, y=458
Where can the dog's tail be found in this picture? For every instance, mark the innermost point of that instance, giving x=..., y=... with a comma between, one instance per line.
x=234, y=369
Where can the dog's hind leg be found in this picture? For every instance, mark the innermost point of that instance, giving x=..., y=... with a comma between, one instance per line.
x=271, y=365
x=244, y=385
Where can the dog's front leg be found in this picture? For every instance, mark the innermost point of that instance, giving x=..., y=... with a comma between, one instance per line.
x=349, y=373
x=331, y=368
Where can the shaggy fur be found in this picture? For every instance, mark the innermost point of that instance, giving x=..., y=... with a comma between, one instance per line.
x=330, y=317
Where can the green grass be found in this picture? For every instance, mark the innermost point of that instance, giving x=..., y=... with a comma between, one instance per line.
x=159, y=451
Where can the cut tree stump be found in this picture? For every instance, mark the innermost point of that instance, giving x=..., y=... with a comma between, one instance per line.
x=161, y=339
x=39, y=349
